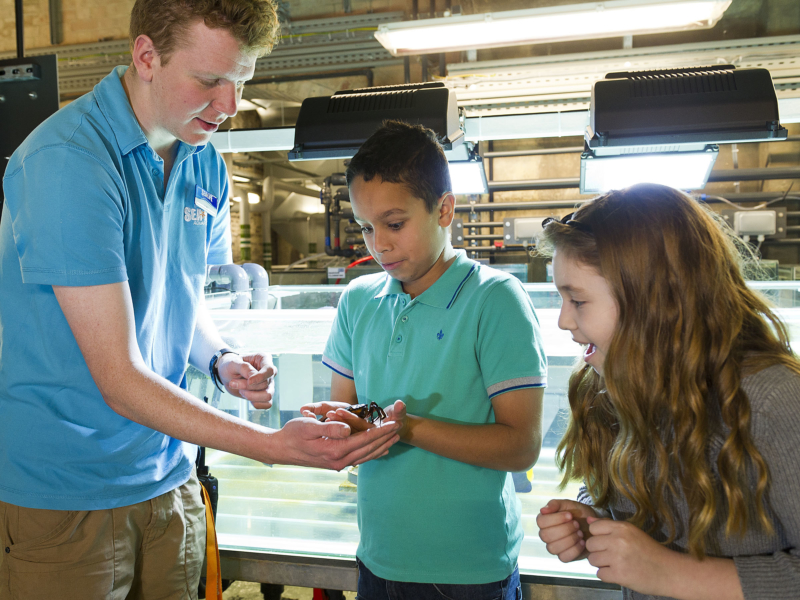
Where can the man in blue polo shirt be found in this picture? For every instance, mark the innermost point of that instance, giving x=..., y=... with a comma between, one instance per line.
x=458, y=344
x=114, y=207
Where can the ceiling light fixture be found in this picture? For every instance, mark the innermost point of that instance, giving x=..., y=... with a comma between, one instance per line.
x=548, y=24
x=681, y=170
x=467, y=174
x=334, y=127
x=664, y=126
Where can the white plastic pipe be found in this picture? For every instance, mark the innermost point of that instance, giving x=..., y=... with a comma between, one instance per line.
x=259, y=282
x=239, y=282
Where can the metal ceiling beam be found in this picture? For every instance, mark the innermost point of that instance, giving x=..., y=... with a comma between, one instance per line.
x=715, y=176
x=564, y=82
x=572, y=204
x=308, y=46
x=480, y=128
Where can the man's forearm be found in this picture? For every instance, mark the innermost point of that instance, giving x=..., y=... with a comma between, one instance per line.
x=150, y=400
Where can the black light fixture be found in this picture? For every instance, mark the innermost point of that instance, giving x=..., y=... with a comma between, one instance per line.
x=334, y=127
x=664, y=126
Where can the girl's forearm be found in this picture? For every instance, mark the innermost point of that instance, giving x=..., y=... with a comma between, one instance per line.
x=707, y=579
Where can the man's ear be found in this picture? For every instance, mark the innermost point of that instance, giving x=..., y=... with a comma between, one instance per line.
x=145, y=58
x=447, y=209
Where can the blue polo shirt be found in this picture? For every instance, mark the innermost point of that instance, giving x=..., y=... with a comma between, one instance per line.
x=470, y=337
x=85, y=205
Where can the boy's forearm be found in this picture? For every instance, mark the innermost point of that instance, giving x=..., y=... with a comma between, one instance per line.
x=493, y=446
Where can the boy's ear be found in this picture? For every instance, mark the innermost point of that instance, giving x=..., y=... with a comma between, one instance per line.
x=144, y=57
x=447, y=209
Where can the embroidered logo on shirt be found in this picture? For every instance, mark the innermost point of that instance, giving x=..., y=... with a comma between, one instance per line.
x=195, y=215
x=440, y=335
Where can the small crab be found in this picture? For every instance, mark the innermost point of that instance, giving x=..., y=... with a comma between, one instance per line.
x=371, y=412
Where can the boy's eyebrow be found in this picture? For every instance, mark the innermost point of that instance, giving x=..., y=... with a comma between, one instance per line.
x=390, y=212
x=383, y=215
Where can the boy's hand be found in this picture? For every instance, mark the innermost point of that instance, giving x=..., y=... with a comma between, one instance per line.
x=316, y=409
x=564, y=527
x=396, y=413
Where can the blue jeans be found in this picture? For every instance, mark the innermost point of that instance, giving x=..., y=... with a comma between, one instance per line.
x=372, y=587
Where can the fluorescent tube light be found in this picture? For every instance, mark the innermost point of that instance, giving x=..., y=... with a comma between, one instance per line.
x=681, y=170
x=548, y=24
x=240, y=179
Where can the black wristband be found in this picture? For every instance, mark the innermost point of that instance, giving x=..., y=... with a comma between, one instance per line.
x=212, y=366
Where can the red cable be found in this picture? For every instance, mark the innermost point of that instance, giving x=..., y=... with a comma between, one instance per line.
x=356, y=262
x=359, y=261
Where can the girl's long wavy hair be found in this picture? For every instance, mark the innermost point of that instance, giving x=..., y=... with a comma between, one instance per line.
x=689, y=329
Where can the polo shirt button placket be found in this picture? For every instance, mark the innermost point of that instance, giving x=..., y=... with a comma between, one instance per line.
x=404, y=319
x=398, y=339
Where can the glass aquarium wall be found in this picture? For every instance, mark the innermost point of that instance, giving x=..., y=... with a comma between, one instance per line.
x=302, y=510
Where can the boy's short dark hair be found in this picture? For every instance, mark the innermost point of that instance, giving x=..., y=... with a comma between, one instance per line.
x=408, y=154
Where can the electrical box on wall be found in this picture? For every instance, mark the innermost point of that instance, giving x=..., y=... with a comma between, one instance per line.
x=769, y=223
x=521, y=231
x=757, y=222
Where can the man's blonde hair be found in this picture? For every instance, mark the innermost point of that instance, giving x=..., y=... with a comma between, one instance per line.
x=254, y=23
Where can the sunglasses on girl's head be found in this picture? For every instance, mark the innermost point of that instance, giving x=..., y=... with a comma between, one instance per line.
x=567, y=220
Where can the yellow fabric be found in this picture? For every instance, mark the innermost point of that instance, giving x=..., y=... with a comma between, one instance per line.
x=213, y=575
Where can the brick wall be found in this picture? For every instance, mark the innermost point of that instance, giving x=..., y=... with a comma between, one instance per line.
x=92, y=20
x=83, y=21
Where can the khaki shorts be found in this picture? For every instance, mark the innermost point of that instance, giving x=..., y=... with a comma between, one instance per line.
x=153, y=550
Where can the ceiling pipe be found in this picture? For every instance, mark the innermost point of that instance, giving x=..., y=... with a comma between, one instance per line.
x=368, y=73
x=754, y=174
x=567, y=150
x=56, y=23
x=518, y=206
x=536, y=152
x=297, y=189
x=20, y=28
x=723, y=175
x=534, y=184
x=550, y=204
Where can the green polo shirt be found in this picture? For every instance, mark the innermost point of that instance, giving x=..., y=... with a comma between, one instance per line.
x=471, y=336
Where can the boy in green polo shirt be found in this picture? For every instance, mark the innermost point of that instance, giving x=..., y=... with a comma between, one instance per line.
x=452, y=349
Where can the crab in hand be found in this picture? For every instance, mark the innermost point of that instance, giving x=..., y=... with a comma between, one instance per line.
x=369, y=412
